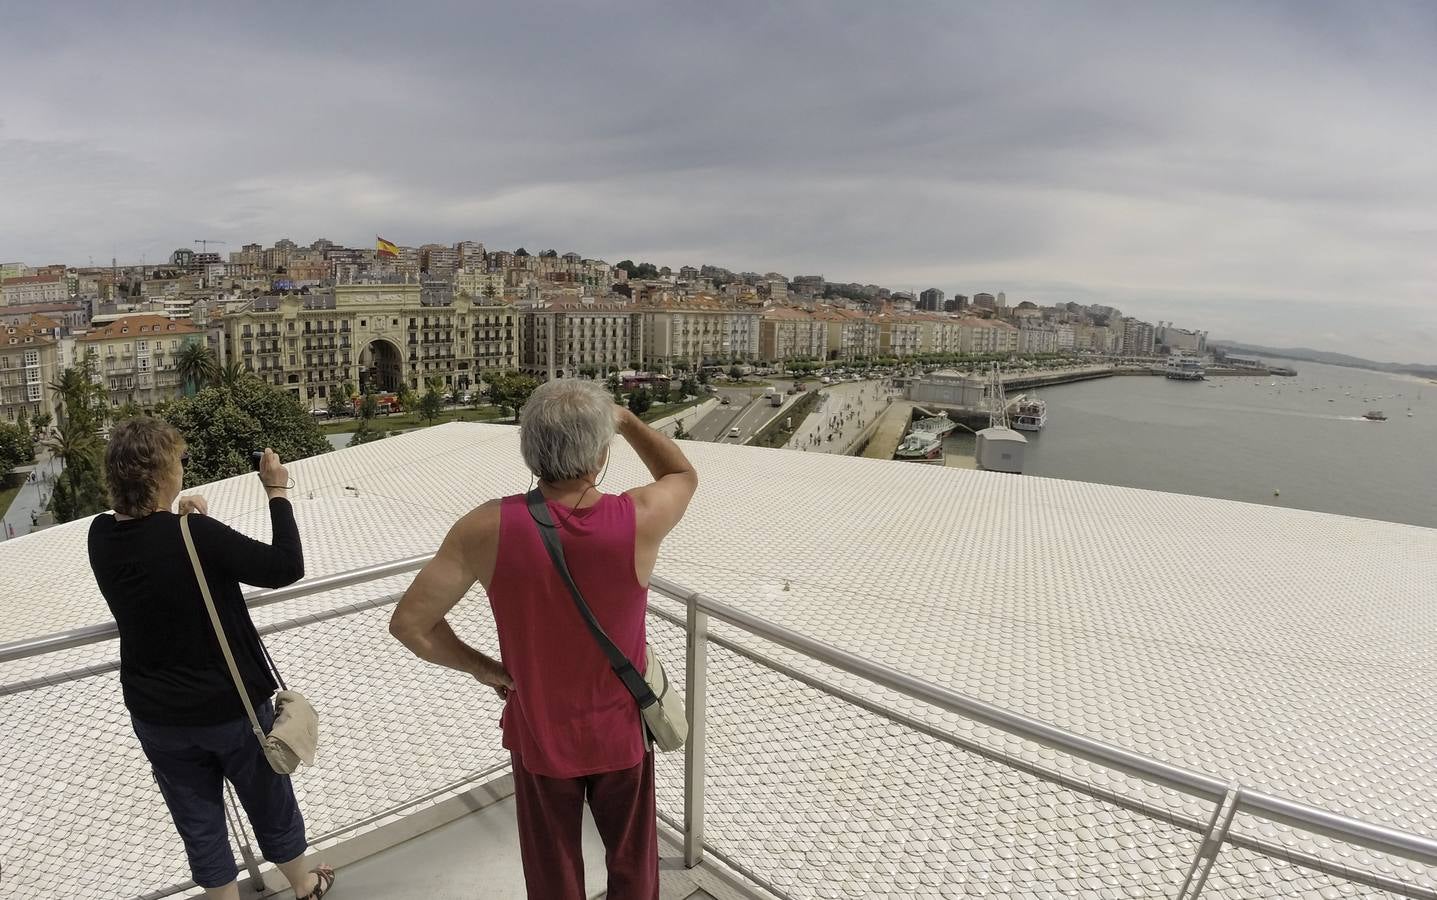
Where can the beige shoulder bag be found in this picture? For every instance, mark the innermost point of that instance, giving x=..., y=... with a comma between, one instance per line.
x=295, y=734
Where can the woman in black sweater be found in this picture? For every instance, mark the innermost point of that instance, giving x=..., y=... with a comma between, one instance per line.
x=182, y=701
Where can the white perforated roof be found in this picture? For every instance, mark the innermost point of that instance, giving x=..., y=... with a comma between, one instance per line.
x=1285, y=649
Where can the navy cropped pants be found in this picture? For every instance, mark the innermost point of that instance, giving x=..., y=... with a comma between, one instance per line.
x=191, y=763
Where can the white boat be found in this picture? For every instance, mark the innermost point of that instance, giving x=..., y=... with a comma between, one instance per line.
x=920, y=446
x=1185, y=368
x=939, y=425
x=1375, y=415
x=1029, y=413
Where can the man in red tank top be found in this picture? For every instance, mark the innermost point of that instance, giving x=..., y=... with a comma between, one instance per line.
x=571, y=727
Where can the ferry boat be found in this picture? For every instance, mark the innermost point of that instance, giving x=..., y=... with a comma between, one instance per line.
x=919, y=446
x=1185, y=368
x=1375, y=415
x=1029, y=413
x=939, y=425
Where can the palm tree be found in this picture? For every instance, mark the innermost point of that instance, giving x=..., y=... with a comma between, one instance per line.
x=197, y=366
x=232, y=374
x=70, y=442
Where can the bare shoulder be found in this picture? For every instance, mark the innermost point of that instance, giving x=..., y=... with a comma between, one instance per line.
x=480, y=523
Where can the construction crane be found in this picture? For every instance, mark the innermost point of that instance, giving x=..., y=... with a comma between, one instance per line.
x=205, y=245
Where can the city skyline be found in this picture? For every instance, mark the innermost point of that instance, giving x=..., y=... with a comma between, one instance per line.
x=1263, y=175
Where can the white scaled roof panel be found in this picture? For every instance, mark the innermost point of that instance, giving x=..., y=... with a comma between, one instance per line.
x=1287, y=650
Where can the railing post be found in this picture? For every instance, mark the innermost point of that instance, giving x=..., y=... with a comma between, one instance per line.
x=696, y=676
x=1212, y=842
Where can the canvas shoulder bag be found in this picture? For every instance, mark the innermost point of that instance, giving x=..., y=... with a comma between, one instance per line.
x=660, y=706
x=295, y=734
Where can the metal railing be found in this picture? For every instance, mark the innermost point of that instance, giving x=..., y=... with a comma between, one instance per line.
x=1228, y=798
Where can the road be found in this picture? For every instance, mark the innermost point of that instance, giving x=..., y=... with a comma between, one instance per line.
x=747, y=411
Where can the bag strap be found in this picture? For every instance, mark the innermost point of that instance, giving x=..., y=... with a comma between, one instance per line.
x=219, y=629
x=549, y=532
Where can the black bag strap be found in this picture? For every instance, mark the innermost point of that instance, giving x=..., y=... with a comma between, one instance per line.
x=549, y=532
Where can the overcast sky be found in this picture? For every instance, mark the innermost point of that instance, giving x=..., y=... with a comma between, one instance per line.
x=1265, y=171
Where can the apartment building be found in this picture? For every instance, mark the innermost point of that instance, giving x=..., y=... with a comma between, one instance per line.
x=697, y=334
x=1137, y=338
x=30, y=290
x=849, y=334
x=563, y=338
x=29, y=362
x=379, y=335
x=787, y=333
x=135, y=357
x=939, y=334
x=988, y=336
x=899, y=334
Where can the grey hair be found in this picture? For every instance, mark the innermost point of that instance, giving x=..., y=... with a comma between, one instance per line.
x=565, y=427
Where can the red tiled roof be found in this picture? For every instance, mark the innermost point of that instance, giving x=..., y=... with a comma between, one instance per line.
x=139, y=326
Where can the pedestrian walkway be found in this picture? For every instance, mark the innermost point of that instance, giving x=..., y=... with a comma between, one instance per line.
x=20, y=518
x=845, y=410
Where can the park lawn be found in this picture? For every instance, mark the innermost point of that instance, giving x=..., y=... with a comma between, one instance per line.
x=7, y=496
x=659, y=411
x=409, y=420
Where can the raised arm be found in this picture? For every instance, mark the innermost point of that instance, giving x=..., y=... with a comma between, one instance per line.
x=659, y=506
x=418, y=621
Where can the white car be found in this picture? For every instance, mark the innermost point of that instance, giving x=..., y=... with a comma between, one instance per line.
x=733, y=432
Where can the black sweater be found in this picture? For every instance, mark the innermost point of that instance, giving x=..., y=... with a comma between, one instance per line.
x=171, y=668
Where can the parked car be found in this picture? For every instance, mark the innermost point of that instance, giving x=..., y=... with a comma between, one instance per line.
x=725, y=401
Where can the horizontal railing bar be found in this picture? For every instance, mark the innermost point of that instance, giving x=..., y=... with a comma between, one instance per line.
x=1108, y=755
x=1070, y=782
x=94, y=634
x=44, y=681
x=1301, y=815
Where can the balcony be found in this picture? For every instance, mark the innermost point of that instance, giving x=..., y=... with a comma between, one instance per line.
x=893, y=693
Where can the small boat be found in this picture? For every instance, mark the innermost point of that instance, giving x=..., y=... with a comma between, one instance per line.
x=1185, y=368
x=1375, y=415
x=939, y=425
x=919, y=446
x=1029, y=413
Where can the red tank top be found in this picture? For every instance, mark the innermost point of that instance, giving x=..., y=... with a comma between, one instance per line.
x=569, y=715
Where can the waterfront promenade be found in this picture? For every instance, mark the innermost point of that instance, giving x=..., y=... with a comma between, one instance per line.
x=845, y=411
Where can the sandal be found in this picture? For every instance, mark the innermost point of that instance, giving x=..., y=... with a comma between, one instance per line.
x=324, y=880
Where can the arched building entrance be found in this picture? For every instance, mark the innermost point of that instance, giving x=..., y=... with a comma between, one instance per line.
x=381, y=366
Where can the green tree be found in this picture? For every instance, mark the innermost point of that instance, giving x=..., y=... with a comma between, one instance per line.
x=23, y=421
x=232, y=374
x=640, y=401
x=432, y=403
x=127, y=410
x=42, y=423
x=364, y=434
x=17, y=446
x=368, y=407
x=689, y=387
x=734, y=373
x=407, y=400
x=510, y=391
x=196, y=366
x=340, y=407
x=224, y=425
x=80, y=489
x=680, y=433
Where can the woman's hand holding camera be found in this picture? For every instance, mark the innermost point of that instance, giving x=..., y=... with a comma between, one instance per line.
x=272, y=474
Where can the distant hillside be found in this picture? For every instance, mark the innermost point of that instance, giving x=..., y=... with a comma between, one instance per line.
x=1332, y=359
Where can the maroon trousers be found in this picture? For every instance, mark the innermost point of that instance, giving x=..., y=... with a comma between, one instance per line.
x=550, y=831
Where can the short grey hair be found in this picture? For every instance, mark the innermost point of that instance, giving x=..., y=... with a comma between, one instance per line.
x=565, y=427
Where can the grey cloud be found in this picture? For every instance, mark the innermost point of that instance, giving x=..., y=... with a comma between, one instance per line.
x=1265, y=168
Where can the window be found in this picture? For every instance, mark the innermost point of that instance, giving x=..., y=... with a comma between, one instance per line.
x=291, y=359
x=144, y=345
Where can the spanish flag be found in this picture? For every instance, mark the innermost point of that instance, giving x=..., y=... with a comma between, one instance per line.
x=385, y=248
